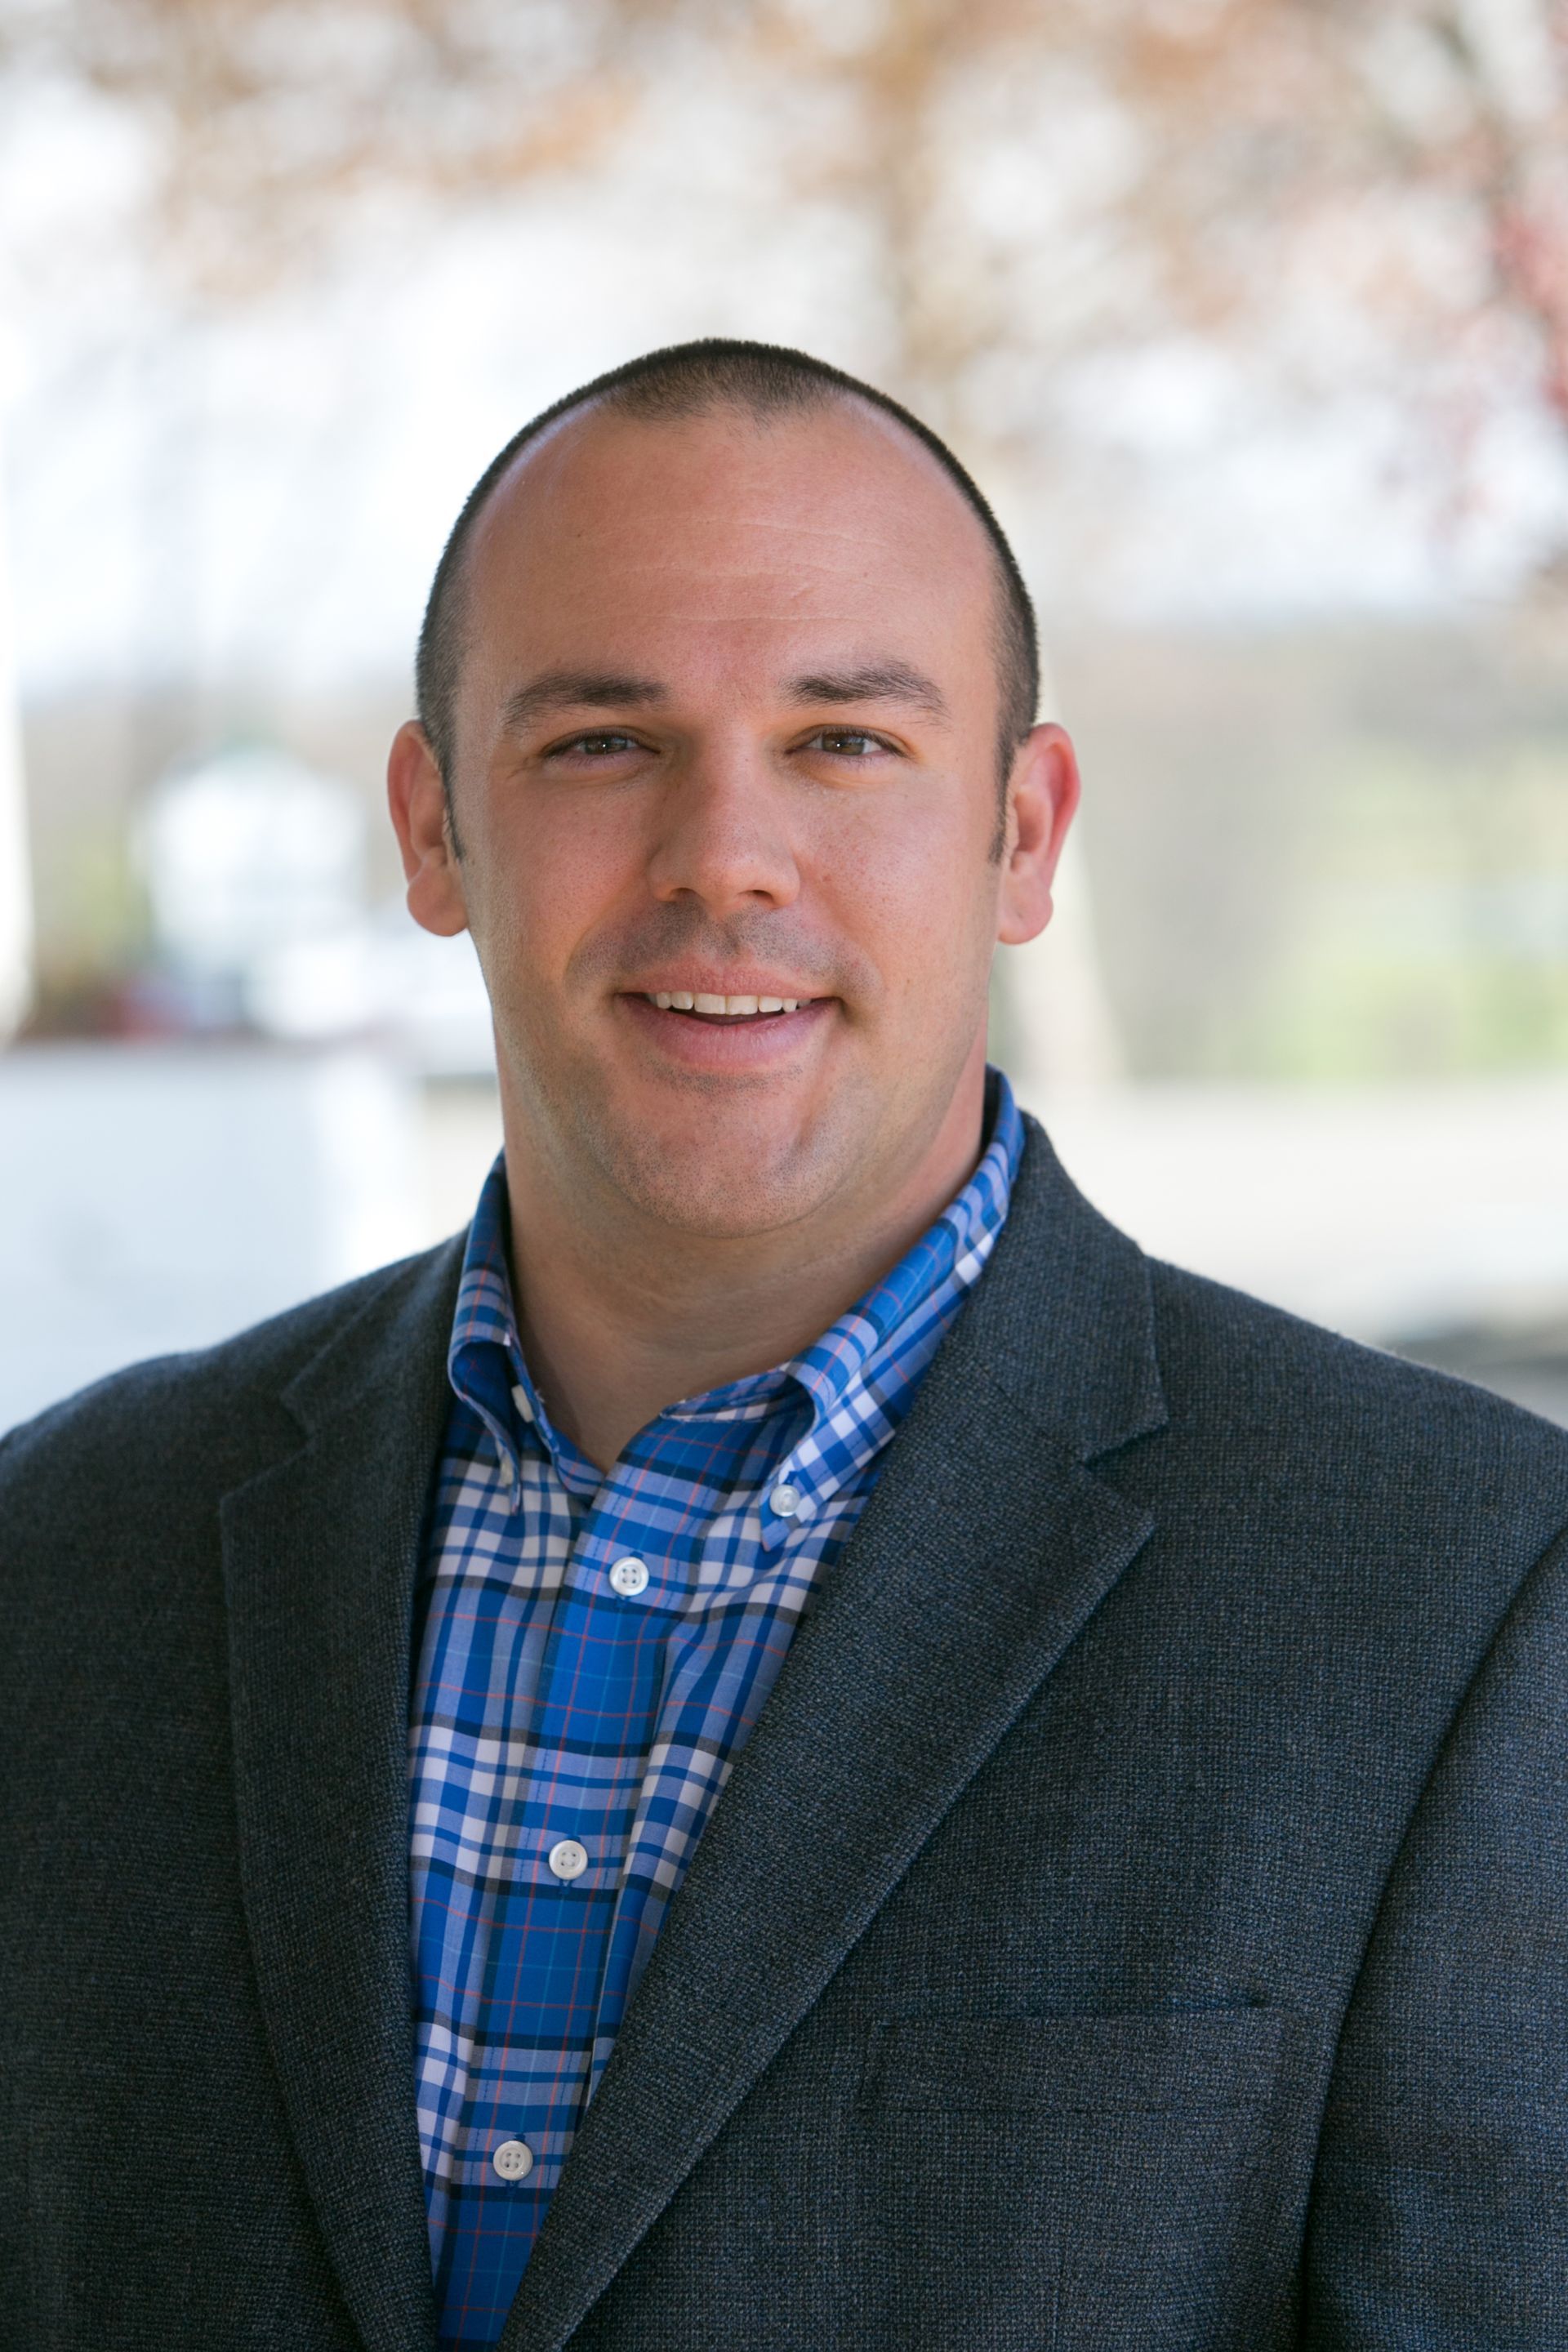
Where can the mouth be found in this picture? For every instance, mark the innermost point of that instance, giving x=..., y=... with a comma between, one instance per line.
x=739, y=1034
x=725, y=1011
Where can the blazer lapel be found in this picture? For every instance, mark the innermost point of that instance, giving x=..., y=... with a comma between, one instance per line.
x=985, y=1547
x=320, y=1558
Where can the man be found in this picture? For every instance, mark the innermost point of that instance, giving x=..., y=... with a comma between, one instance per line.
x=786, y=1744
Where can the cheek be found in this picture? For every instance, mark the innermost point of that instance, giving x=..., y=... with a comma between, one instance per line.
x=911, y=882
x=548, y=876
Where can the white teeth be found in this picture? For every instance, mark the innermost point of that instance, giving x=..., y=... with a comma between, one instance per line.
x=681, y=1000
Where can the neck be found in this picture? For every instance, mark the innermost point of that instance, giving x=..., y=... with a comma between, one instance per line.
x=621, y=1316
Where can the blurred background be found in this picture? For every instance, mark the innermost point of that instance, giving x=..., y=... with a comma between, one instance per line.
x=1252, y=316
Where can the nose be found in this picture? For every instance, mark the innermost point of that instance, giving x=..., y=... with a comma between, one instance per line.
x=722, y=836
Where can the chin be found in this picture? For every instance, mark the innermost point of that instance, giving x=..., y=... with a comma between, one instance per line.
x=755, y=1186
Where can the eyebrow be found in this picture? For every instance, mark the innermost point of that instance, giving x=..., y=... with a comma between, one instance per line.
x=884, y=681
x=571, y=690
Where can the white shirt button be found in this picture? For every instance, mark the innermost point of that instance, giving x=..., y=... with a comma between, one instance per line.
x=629, y=1575
x=513, y=2160
x=520, y=1399
x=568, y=1859
x=787, y=1500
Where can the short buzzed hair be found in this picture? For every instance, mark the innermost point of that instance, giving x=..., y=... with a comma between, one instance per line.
x=763, y=381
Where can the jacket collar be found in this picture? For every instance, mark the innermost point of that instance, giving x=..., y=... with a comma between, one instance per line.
x=1064, y=1326
x=320, y=1557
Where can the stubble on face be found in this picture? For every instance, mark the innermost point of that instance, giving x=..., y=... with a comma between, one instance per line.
x=716, y=1164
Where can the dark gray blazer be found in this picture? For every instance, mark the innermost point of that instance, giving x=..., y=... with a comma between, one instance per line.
x=1138, y=1923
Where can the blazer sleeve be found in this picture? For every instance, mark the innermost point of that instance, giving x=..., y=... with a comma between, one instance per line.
x=1440, y=2208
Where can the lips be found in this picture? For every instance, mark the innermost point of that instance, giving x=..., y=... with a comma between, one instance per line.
x=690, y=1036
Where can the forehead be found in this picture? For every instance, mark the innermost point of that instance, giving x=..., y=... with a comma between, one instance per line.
x=716, y=536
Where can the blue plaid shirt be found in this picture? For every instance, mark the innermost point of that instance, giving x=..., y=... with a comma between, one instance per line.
x=594, y=1649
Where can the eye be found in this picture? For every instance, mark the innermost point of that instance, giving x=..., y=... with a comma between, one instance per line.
x=605, y=742
x=847, y=742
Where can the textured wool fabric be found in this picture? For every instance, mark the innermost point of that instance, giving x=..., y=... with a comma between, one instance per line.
x=1139, y=1918
x=549, y=1706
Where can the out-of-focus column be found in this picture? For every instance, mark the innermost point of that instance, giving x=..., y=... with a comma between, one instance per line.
x=15, y=869
x=1055, y=1024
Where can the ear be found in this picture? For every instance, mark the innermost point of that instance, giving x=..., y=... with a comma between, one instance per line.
x=422, y=822
x=1042, y=795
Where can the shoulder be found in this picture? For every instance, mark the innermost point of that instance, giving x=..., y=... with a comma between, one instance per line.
x=1272, y=1406
x=205, y=1417
x=111, y=1503
x=1194, y=1391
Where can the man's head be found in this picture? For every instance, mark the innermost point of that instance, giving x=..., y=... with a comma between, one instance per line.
x=713, y=684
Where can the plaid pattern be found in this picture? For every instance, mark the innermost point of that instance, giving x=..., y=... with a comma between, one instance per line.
x=551, y=1705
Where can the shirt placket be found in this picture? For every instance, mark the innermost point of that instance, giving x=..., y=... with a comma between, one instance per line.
x=593, y=1724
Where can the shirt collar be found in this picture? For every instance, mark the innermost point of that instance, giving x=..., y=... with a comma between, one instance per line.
x=484, y=1356
x=485, y=1361
x=953, y=1249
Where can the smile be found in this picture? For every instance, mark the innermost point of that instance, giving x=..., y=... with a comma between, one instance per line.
x=723, y=1008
